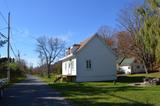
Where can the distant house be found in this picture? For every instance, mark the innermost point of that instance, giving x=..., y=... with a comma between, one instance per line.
x=91, y=60
x=129, y=65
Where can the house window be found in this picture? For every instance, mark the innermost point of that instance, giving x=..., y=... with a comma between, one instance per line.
x=88, y=64
x=138, y=67
x=72, y=65
x=65, y=66
x=69, y=65
x=129, y=67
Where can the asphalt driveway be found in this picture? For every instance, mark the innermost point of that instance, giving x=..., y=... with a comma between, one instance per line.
x=32, y=92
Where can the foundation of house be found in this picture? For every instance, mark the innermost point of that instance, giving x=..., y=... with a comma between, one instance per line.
x=69, y=78
x=60, y=78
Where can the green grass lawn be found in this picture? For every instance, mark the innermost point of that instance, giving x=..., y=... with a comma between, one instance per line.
x=46, y=79
x=18, y=79
x=108, y=94
x=15, y=79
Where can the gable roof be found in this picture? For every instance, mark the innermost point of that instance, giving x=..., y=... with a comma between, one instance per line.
x=127, y=61
x=82, y=44
x=85, y=42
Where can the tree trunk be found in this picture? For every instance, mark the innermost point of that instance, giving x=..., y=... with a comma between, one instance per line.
x=49, y=69
x=145, y=68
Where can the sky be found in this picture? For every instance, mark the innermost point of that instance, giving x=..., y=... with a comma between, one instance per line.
x=71, y=20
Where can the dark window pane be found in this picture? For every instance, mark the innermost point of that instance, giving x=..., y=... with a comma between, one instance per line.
x=89, y=63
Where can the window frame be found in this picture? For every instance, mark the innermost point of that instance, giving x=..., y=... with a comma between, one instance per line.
x=72, y=65
x=129, y=67
x=88, y=64
x=65, y=65
x=138, y=67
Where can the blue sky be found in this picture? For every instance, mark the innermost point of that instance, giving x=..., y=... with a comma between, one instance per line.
x=71, y=20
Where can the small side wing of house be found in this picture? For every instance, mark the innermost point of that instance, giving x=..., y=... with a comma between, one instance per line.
x=69, y=66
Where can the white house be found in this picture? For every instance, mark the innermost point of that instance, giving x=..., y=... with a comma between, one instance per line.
x=130, y=66
x=91, y=60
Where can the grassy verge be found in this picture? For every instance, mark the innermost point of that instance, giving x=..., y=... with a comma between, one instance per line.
x=18, y=79
x=46, y=79
x=104, y=94
x=155, y=74
x=108, y=94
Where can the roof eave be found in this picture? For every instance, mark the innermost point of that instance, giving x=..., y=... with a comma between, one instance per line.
x=67, y=57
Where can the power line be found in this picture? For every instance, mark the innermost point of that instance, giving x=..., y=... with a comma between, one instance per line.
x=3, y=17
x=4, y=28
x=8, y=46
x=7, y=37
x=8, y=40
x=13, y=51
x=13, y=40
x=3, y=35
x=11, y=46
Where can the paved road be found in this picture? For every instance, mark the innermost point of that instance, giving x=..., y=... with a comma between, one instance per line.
x=32, y=92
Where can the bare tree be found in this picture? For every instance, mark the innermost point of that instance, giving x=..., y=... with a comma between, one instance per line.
x=125, y=45
x=107, y=33
x=2, y=42
x=49, y=50
x=129, y=20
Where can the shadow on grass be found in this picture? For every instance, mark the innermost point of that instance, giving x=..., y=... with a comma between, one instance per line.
x=82, y=94
x=130, y=79
x=105, y=93
x=92, y=102
x=82, y=89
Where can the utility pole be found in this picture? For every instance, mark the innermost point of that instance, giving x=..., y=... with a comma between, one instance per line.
x=19, y=57
x=8, y=47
